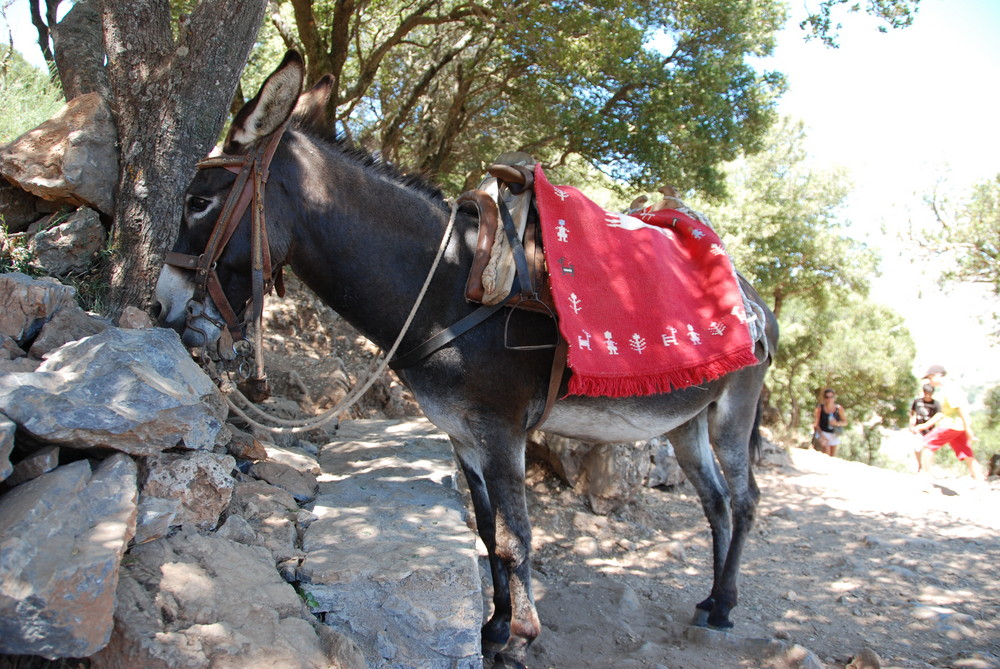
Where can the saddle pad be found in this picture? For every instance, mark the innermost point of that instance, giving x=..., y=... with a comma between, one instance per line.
x=648, y=302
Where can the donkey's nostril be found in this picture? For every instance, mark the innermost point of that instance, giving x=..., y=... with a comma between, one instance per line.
x=155, y=311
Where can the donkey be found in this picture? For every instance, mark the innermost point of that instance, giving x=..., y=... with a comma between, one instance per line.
x=362, y=236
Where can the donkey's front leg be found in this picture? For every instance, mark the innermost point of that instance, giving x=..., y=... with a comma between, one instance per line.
x=496, y=631
x=504, y=474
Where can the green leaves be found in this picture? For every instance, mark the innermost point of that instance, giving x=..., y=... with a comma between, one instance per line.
x=444, y=86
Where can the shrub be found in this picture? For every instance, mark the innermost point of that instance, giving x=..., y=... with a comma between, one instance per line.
x=28, y=93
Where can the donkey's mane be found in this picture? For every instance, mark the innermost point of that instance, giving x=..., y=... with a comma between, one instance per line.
x=369, y=161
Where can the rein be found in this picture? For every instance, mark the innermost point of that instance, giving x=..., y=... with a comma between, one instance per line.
x=300, y=426
x=251, y=176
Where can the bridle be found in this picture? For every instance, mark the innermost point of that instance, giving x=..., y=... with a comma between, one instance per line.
x=251, y=172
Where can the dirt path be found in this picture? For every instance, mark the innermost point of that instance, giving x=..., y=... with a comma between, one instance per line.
x=843, y=557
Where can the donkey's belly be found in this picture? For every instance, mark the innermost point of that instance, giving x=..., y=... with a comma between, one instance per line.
x=616, y=420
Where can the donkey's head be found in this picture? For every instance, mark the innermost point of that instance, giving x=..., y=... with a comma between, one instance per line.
x=207, y=283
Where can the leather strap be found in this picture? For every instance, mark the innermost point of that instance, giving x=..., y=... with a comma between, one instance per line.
x=555, y=381
x=443, y=337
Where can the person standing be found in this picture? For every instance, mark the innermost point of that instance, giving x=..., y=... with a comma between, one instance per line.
x=922, y=410
x=949, y=426
x=828, y=422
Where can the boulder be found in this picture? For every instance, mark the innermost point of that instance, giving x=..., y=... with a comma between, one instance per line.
x=26, y=304
x=609, y=474
x=200, y=481
x=179, y=608
x=665, y=469
x=62, y=536
x=72, y=158
x=71, y=246
x=135, y=391
x=613, y=474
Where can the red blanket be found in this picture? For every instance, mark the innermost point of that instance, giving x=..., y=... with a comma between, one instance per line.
x=648, y=303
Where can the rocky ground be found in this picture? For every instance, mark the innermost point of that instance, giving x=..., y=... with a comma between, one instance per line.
x=843, y=557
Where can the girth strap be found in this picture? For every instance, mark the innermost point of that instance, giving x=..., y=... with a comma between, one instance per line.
x=443, y=337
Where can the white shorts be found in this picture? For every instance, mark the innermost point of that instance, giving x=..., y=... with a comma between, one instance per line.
x=832, y=438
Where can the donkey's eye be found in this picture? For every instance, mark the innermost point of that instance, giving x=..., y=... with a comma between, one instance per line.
x=198, y=204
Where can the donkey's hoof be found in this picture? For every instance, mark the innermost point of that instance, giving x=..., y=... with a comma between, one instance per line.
x=496, y=632
x=505, y=662
x=718, y=622
x=700, y=618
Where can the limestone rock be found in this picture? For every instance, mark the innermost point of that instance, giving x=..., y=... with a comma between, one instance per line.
x=609, y=474
x=26, y=304
x=35, y=464
x=134, y=318
x=390, y=560
x=7, y=429
x=135, y=391
x=72, y=158
x=665, y=469
x=179, y=609
x=71, y=246
x=301, y=485
x=18, y=207
x=156, y=516
x=9, y=350
x=68, y=324
x=614, y=472
x=272, y=515
x=200, y=481
x=62, y=537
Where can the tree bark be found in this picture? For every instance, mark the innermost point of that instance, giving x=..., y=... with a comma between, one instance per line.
x=170, y=97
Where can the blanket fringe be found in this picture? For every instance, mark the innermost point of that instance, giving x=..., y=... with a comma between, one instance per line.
x=661, y=382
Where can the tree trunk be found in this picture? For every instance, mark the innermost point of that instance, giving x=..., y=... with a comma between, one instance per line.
x=170, y=98
x=79, y=51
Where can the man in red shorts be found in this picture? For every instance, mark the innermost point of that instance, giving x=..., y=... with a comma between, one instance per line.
x=950, y=426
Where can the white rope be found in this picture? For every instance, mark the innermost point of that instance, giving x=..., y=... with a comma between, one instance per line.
x=306, y=425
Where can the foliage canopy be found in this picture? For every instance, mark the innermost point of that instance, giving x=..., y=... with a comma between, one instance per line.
x=645, y=91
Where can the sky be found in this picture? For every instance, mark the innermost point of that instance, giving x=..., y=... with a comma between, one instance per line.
x=901, y=111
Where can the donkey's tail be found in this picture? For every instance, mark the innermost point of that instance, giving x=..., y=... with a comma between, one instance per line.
x=755, y=445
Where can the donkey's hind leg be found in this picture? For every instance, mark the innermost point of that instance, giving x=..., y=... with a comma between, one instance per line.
x=733, y=427
x=694, y=454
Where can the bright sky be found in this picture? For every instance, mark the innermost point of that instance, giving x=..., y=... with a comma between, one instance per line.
x=901, y=111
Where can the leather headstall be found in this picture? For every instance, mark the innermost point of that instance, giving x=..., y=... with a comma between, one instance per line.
x=251, y=172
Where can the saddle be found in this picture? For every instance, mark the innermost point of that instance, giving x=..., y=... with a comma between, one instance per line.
x=509, y=245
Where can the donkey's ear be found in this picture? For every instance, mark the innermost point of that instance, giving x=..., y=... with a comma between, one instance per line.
x=270, y=108
x=310, y=112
